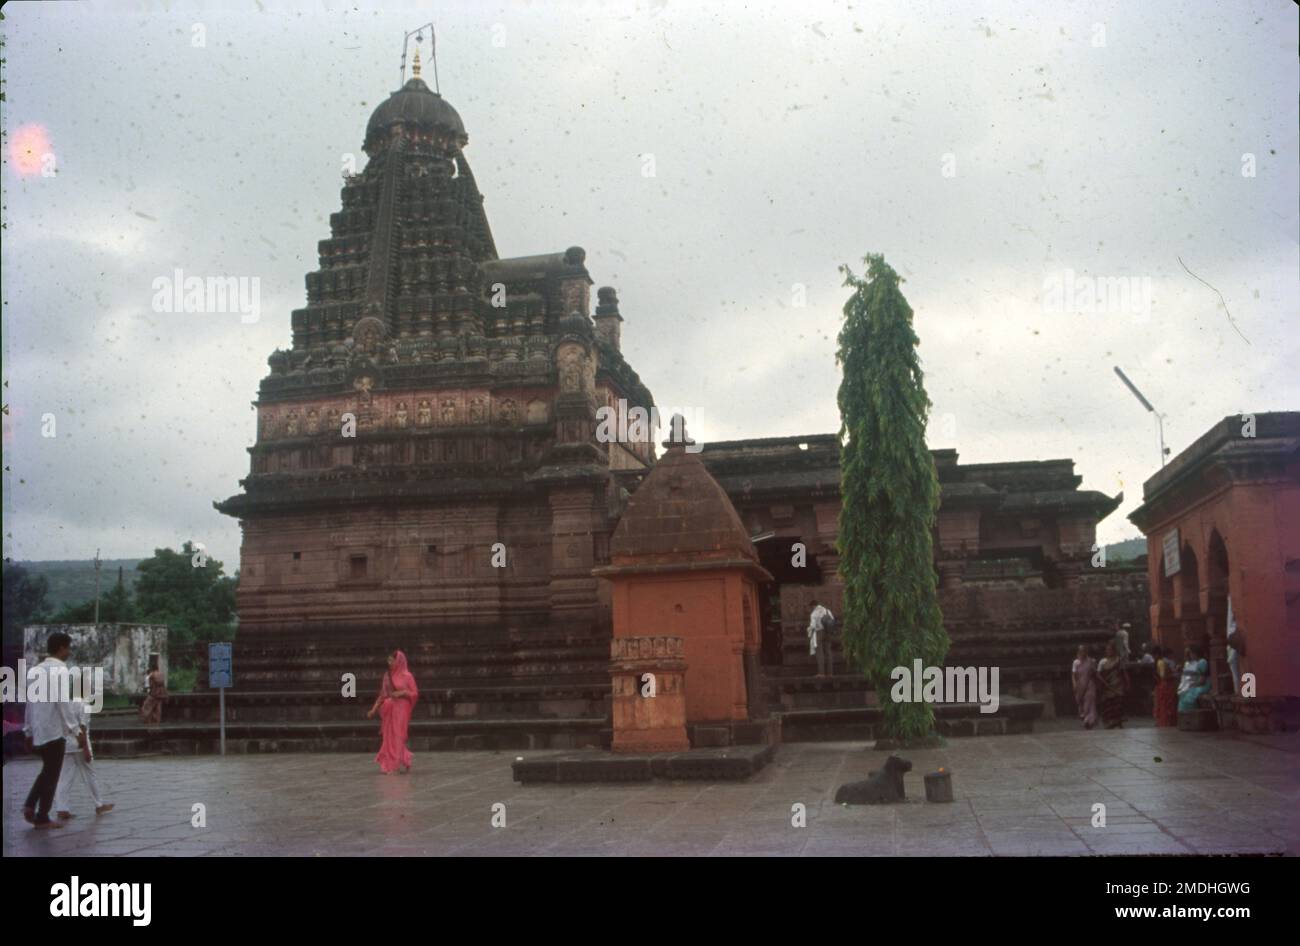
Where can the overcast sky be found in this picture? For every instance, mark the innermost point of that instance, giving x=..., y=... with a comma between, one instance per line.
x=987, y=149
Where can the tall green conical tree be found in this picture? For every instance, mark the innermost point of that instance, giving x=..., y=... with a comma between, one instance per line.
x=890, y=496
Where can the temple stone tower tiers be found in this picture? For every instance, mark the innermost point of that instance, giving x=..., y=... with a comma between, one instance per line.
x=426, y=471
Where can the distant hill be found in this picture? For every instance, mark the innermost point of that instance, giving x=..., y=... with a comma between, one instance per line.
x=1127, y=550
x=73, y=583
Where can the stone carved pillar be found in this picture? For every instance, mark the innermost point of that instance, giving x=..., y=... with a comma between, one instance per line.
x=1214, y=605
x=828, y=556
x=645, y=722
x=576, y=515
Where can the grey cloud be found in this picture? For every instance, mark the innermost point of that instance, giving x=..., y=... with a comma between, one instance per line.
x=781, y=151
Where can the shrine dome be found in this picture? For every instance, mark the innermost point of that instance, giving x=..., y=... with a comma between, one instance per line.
x=681, y=514
x=416, y=105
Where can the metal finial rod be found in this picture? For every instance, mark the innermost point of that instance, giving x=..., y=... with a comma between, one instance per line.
x=433, y=54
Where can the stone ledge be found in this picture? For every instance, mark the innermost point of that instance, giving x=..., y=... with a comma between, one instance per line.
x=361, y=736
x=1015, y=716
x=735, y=763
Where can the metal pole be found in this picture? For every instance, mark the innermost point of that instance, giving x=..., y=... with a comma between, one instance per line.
x=98, y=564
x=406, y=41
x=1160, y=420
x=222, y=699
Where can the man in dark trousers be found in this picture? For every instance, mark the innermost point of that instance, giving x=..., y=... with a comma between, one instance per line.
x=49, y=721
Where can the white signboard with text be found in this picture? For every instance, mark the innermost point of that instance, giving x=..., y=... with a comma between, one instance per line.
x=1172, y=564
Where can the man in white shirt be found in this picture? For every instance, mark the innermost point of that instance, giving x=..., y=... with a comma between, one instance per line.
x=48, y=722
x=820, y=623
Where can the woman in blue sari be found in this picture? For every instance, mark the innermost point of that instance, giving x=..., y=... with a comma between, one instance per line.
x=1196, y=680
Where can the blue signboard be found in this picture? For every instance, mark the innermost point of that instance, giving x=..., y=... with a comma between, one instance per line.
x=221, y=672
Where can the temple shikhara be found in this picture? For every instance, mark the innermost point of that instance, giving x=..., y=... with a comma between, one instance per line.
x=437, y=401
x=428, y=475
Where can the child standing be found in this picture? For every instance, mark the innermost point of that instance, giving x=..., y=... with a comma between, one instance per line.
x=78, y=762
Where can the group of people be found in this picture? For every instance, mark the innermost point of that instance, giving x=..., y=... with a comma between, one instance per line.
x=58, y=731
x=1100, y=686
x=1179, y=688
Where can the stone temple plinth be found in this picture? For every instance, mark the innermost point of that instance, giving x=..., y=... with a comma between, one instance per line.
x=649, y=694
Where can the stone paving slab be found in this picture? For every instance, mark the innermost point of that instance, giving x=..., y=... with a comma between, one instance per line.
x=1212, y=793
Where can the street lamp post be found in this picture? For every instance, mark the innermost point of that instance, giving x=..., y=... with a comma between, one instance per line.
x=1160, y=418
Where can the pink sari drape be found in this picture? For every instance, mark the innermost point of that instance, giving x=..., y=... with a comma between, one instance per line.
x=395, y=716
x=1085, y=692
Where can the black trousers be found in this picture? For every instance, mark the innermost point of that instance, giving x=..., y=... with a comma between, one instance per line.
x=42, y=794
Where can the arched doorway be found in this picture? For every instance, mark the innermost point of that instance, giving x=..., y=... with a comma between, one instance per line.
x=795, y=570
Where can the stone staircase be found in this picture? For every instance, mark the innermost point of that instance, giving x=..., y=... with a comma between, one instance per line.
x=843, y=708
x=481, y=689
x=535, y=689
x=513, y=716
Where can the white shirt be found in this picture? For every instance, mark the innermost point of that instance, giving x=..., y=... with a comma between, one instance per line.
x=46, y=721
x=83, y=721
x=817, y=619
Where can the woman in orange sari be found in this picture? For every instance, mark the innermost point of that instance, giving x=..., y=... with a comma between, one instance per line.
x=156, y=688
x=1166, y=698
x=395, y=702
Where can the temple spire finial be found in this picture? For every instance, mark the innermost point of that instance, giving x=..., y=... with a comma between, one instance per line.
x=433, y=54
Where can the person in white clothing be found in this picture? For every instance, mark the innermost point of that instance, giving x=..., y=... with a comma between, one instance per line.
x=820, y=624
x=48, y=722
x=78, y=762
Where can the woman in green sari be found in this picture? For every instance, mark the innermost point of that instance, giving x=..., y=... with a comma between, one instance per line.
x=1196, y=680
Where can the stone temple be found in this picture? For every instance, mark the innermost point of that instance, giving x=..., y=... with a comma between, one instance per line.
x=474, y=421
x=427, y=475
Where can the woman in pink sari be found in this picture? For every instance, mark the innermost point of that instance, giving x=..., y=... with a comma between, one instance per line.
x=1084, y=674
x=395, y=702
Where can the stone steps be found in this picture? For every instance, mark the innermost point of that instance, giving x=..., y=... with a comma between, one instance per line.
x=951, y=719
x=510, y=701
x=424, y=736
x=129, y=739
x=287, y=666
x=119, y=748
x=735, y=763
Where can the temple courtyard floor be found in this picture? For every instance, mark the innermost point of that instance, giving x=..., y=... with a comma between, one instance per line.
x=1164, y=792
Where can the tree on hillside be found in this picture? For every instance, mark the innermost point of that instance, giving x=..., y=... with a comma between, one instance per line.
x=115, y=607
x=24, y=603
x=188, y=592
x=890, y=496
